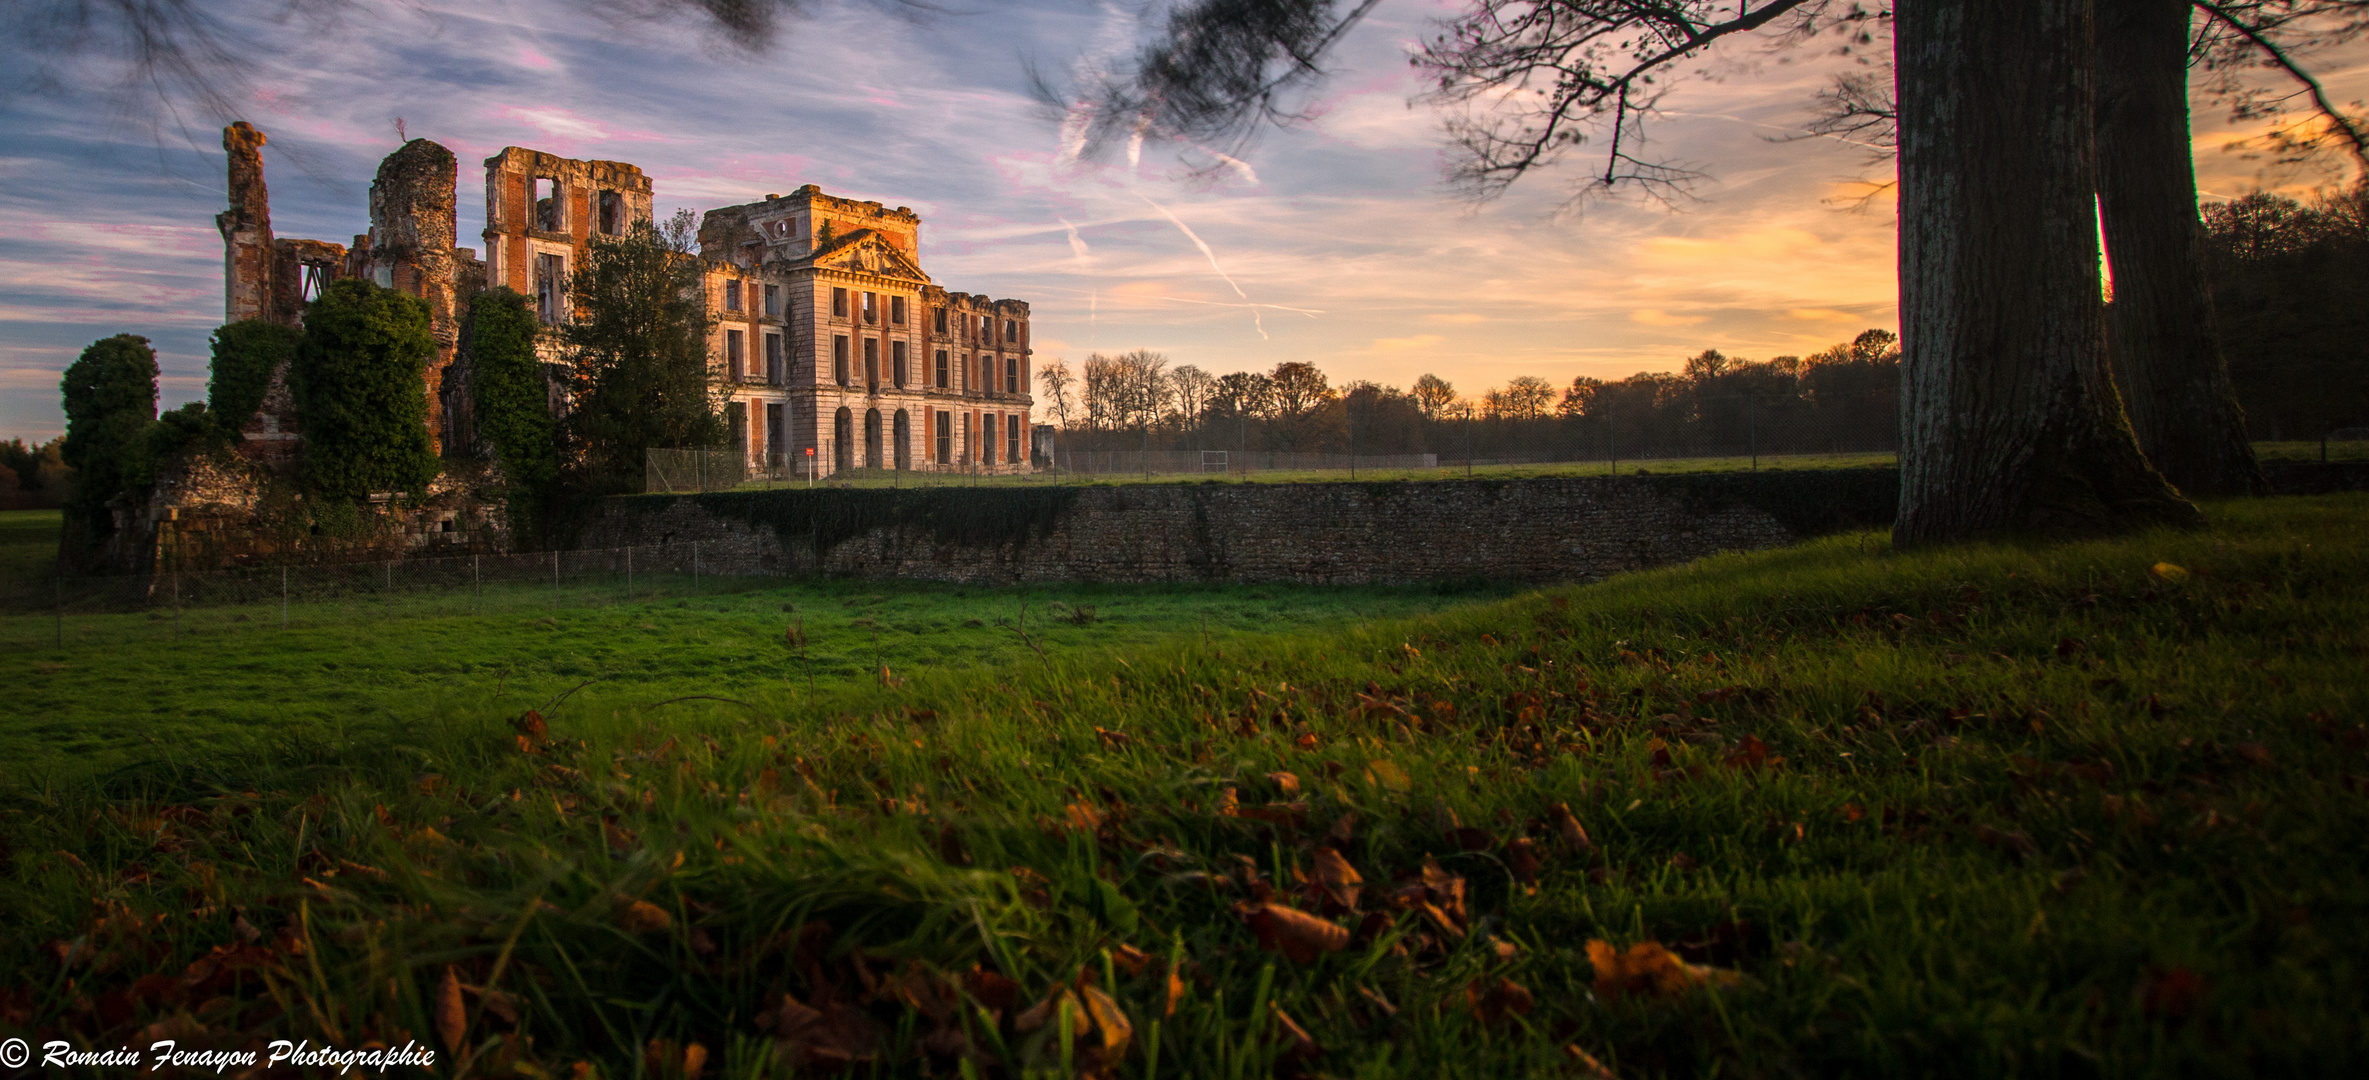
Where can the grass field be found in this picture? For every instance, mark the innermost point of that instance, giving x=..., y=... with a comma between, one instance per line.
x=2088, y=809
x=1626, y=467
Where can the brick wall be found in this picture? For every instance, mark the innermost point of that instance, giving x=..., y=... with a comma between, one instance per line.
x=1343, y=533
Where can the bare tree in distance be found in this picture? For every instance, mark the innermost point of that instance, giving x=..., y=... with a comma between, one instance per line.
x=1054, y=376
x=1434, y=396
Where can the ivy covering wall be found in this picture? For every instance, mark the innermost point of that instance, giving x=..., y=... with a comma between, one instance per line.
x=245, y=355
x=512, y=403
x=357, y=380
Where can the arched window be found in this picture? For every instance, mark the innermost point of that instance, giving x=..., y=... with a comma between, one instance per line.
x=872, y=448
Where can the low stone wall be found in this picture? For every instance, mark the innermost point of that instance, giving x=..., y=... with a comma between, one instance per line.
x=1339, y=533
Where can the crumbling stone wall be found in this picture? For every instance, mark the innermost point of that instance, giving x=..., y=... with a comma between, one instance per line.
x=1562, y=529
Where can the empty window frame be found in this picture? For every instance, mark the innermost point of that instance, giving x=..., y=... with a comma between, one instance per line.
x=734, y=359
x=775, y=433
x=942, y=373
x=1011, y=329
x=612, y=214
x=945, y=437
x=773, y=372
x=839, y=302
x=839, y=358
x=941, y=319
x=872, y=307
x=551, y=273
x=1011, y=374
x=316, y=278
x=872, y=363
x=732, y=296
x=1012, y=440
x=547, y=199
x=896, y=310
x=987, y=443
x=773, y=301
x=896, y=355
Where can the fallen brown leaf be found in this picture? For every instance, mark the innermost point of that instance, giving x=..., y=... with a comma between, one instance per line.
x=1339, y=879
x=1491, y=1002
x=644, y=917
x=1568, y=829
x=1648, y=968
x=1296, y=934
x=452, y=1022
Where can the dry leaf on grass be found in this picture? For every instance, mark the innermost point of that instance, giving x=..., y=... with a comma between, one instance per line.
x=1648, y=968
x=1296, y=934
x=1285, y=782
x=1491, y=1003
x=644, y=917
x=1339, y=879
x=1303, y=1047
x=1568, y=829
x=452, y=1022
x=1587, y=1064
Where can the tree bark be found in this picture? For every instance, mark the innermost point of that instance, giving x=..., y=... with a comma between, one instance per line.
x=2165, y=346
x=2010, y=423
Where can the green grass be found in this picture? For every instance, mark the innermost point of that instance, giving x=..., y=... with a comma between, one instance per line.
x=2089, y=809
x=2309, y=450
x=28, y=547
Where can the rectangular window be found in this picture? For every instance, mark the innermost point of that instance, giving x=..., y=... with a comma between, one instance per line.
x=551, y=275
x=732, y=296
x=987, y=444
x=871, y=307
x=941, y=369
x=941, y=317
x=547, y=204
x=773, y=301
x=1011, y=329
x=945, y=438
x=732, y=354
x=839, y=302
x=896, y=350
x=736, y=419
x=1011, y=374
x=773, y=372
x=839, y=358
x=612, y=213
x=1012, y=440
x=872, y=363
x=775, y=431
x=896, y=310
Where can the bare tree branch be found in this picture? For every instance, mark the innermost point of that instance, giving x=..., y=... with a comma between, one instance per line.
x=2259, y=36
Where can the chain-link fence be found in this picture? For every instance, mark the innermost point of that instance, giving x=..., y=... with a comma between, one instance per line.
x=68, y=611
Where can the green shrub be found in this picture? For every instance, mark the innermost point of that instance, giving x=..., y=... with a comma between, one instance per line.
x=357, y=381
x=245, y=355
x=512, y=401
x=190, y=425
x=109, y=394
x=639, y=341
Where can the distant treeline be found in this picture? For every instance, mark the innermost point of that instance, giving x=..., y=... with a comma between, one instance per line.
x=2291, y=289
x=1843, y=399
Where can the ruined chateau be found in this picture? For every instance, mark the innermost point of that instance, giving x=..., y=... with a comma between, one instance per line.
x=832, y=349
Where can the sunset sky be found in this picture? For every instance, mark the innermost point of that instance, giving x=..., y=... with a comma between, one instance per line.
x=1333, y=242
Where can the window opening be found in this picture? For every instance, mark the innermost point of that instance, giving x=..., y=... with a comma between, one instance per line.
x=871, y=307
x=550, y=281
x=547, y=206
x=896, y=351
x=839, y=358
x=896, y=310
x=945, y=438
x=612, y=213
x=839, y=302
x=941, y=369
x=1011, y=440
x=733, y=360
x=1011, y=374
x=772, y=301
x=773, y=358
x=941, y=319
x=732, y=296
x=316, y=278
x=872, y=364
x=1011, y=329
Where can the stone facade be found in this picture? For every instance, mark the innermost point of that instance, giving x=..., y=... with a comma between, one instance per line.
x=1563, y=529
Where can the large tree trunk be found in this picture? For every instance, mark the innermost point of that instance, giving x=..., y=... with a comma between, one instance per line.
x=2165, y=347
x=2010, y=424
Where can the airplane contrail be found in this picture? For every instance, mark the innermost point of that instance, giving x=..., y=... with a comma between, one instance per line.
x=1255, y=321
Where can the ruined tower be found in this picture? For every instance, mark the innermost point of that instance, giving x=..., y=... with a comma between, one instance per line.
x=246, y=228
x=410, y=249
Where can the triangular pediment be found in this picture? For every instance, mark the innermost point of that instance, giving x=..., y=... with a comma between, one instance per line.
x=865, y=252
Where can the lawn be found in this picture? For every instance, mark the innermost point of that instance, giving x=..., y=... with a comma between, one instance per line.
x=874, y=478
x=2084, y=809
